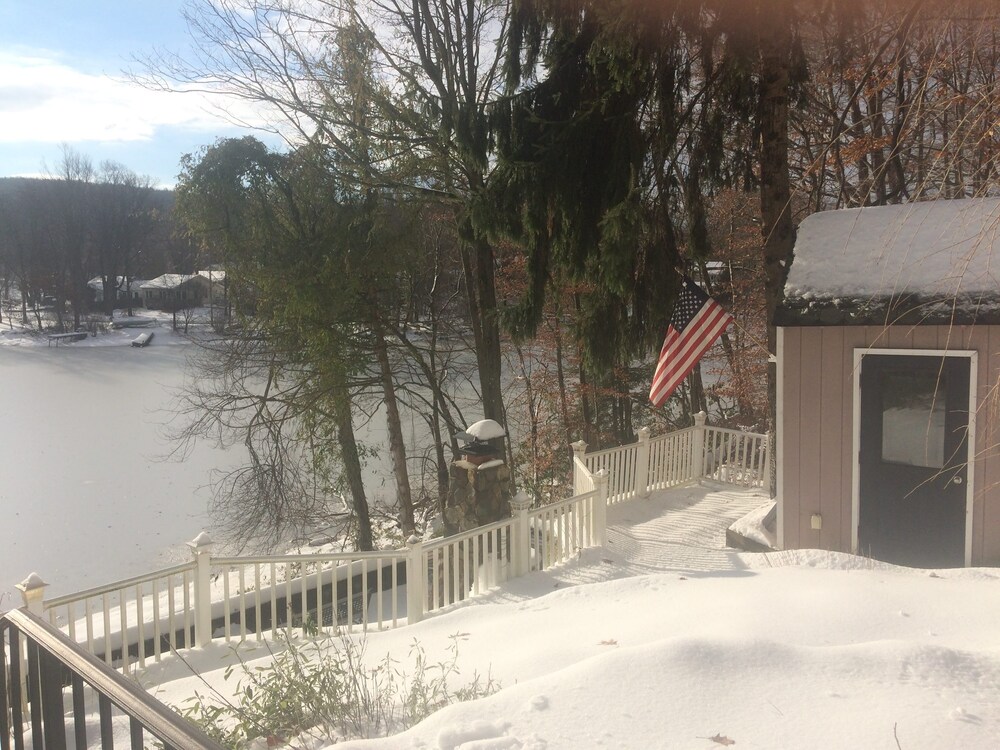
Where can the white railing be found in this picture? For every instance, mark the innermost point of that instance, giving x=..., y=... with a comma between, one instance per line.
x=253, y=596
x=237, y=598
x=129, y=622
x=675, y=459
x=466, y=564
x=155, y=610
x=737, y=457
x=560, y=531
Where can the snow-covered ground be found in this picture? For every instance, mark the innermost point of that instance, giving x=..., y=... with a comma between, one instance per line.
x=657, y=643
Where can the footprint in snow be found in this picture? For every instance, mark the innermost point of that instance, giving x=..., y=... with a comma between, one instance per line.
x=960, y=714
x=540, y=702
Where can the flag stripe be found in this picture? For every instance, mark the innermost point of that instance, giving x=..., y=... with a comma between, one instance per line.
x=683, y=348
x=688, y=359
x=682, y=363
x=678, y=347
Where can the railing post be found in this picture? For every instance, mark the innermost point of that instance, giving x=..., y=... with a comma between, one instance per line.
x=201, y=548
x=579, y=450
x=642, y=463
x=416, y=576
x=32, y=591
x=601, y=486
x=765, y=469
x=698, y=446
x=519, y=505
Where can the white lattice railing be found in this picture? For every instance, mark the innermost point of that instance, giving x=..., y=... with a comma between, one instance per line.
x=236, y=598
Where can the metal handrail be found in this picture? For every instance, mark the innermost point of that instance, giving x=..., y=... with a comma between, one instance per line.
x=46, y=689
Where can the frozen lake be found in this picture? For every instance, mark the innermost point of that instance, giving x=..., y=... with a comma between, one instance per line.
x=87, y=492
x=86, y=495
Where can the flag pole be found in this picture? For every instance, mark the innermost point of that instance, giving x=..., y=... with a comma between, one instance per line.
x=752, y=338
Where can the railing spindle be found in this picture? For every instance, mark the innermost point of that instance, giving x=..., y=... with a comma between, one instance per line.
x=274, y=600
x=241, y=577
x=140, y=625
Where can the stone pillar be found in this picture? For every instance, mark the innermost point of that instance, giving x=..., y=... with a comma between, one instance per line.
x=477, y=495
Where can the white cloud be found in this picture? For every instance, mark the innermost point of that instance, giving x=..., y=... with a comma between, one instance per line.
x=42, y=99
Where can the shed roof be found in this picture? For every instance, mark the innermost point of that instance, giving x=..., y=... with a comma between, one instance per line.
x=929, y=262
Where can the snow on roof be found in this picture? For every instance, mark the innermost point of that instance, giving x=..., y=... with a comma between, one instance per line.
x=98, y=283
x=168, y=281
x=213, y=275
x=930, y=253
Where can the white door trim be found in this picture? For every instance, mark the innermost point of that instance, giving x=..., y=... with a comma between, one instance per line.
x=779, y=436
x=973, y=356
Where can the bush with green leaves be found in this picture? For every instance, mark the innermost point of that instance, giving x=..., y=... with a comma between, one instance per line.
x=324, y=689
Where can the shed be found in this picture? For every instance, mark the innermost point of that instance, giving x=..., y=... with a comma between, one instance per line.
x=888, y=349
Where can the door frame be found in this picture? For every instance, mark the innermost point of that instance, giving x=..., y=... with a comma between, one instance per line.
x=859, y=355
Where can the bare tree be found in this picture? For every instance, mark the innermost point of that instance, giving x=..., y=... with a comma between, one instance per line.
x=435, y=69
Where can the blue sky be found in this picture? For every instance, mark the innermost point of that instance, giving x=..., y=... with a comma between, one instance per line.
x=61, y=65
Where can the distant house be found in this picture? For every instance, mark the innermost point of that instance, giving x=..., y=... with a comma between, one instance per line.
x=132, y=292
x=217, y=280
x=175, y=291
x=888, y=349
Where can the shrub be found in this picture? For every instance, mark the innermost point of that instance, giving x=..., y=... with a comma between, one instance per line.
x=324, y=690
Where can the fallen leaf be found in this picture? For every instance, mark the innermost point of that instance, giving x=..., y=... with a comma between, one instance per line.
x=608, y=642
x=721, y=739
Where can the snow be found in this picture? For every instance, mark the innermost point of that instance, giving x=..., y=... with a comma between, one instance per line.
x=491, y=464
x=486, y=429
x=933, y=248
x=752, y=526
x=703, y=647
x=169, y=281
x=84, y=457
x=86, y=488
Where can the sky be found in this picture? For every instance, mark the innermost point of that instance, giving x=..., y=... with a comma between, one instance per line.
x=61, y=82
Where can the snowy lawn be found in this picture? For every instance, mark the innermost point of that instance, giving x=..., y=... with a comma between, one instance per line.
x=786, y=650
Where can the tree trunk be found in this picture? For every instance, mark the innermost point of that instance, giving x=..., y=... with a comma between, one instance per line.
x=775, y=191
x=352, y=470
x=480, y=284
x=397, y=449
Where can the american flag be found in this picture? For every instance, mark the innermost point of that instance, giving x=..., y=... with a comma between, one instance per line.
x=697, y=321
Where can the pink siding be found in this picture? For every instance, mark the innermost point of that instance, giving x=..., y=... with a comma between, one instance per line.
x=791, y=426
x=817, y=406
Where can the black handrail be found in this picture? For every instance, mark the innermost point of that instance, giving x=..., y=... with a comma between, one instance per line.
x=54, y=661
